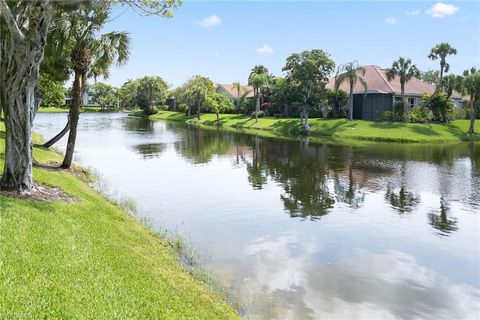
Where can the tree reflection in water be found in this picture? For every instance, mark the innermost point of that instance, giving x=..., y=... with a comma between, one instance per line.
x=314, y=177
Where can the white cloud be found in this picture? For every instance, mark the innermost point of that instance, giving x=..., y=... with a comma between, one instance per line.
x=440, y=10
x=413, y=13
x=391, y=20
x=265, y=49
x=210, y=21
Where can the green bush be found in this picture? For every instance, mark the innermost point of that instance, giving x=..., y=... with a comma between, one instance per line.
x=395, y=115
x=439, y=105
x=182, y=107
x=457, y=114
x=261, y=114
x=419, y=114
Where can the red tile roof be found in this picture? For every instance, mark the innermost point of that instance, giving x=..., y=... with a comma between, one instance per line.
x=233, y=92
x=377, y=82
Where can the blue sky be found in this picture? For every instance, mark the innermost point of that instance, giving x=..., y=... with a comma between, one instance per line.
x=224, y=39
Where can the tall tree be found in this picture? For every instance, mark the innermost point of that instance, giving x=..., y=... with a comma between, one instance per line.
x=351, y=72
x=104, y=95
x=257, y=81
x=471, y=87
x=197, y=90
x=309, y=71
x=23, y=27
x=405, y=70
x=151, y=91
x=440, y=52
x=237, y=87
x=91, y=54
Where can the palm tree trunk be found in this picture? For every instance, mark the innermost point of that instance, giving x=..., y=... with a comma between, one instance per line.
x=74, y=116
x=59, y=136
x=402, y=94
x=473, y=113
x=350, y=100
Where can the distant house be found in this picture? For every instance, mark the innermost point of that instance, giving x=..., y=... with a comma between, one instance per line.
x=86, y=99
x=382, y=94
x=233, y=93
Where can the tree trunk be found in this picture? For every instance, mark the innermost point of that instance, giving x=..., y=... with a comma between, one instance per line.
x=21, y=53
x=198, y=112
x=189, y=111
x=473, y=113
x=350, y=101
x=217, y=118
x=257, y=108
x=59, y=136
x=73, y=116
x=402, y=94
x=305, y=125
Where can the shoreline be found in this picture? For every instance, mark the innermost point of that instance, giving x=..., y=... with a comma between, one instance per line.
x=89, y=257
x=331, y=130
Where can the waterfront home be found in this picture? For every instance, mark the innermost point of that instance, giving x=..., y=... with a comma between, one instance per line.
x=382, y=94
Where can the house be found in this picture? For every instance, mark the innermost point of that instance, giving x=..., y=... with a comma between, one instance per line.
x=232, y=93
x=86, y=99
x=382, y=94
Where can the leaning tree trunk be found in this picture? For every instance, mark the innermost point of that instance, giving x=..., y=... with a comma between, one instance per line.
x=59, y=136
x=73, y=115
x=473, y=114
x=21, y=53
x=81, y=59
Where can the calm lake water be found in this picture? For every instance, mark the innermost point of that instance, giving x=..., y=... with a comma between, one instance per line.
x=301, y=230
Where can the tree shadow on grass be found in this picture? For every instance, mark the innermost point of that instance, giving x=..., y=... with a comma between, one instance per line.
x=426, y=131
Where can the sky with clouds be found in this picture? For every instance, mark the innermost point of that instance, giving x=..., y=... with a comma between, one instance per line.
x=225, y=39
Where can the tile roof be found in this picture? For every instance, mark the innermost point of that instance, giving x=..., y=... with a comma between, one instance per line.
x=233, y=92
x=377, y=82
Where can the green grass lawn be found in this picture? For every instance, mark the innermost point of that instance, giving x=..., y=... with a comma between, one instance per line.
x=454, y=131
x=88, y=259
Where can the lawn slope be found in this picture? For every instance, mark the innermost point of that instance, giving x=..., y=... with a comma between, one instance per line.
x=88, y=259
x=454, y=131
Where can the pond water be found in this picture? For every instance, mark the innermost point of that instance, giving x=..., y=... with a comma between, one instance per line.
x=303, y=230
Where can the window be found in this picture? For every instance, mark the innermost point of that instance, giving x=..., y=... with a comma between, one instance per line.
x=411, y=102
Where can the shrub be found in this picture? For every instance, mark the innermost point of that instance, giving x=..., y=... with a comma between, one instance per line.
x=261, y=114
x=398, y=111
x=182, y=107
x=457, y=114
x=439, y=105
x=419, y=114
x=336, y=100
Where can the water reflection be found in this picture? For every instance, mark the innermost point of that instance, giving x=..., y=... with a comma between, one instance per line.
x=441, y=221
x=314, y=177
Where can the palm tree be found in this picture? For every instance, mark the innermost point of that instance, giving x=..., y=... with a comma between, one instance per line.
x=441, y=51
x=471, y=87
x=405, y=70
x=257, y=81
x=91, y=55
x=351, y=72
x=237, y=86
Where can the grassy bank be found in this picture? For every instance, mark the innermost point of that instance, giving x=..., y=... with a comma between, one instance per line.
x=88, y=259
x=454, y=131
